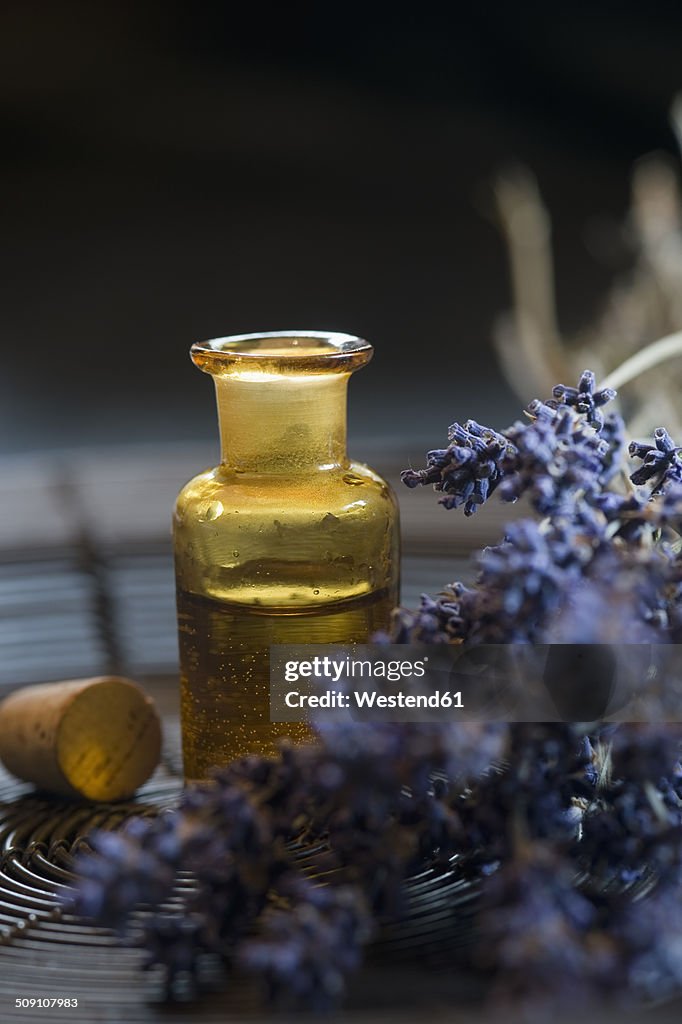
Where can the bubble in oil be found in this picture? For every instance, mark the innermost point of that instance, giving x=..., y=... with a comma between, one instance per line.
x=214, y=511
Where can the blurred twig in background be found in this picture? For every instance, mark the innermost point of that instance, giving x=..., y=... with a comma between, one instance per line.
x=642, y=306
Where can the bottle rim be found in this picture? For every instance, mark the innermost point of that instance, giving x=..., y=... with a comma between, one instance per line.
x=282, y=352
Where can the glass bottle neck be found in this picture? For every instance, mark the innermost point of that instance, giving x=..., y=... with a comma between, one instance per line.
x=282, y=424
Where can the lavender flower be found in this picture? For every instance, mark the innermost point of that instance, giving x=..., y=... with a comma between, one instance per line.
x=550, y=771
x=536, y=937
x=126, y=869
x=541, y=582
x=584, y=399
x=638, y=516
x=661, y=461
x=468, y=470
x=523, y=583
x=444, y=619
x=306, y=952
x=647, y=936
x=557, y=457
x=613, y=432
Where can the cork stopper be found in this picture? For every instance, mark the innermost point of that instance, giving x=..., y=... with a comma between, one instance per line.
x=96, y=738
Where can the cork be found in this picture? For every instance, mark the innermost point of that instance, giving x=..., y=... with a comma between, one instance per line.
x=96, y=738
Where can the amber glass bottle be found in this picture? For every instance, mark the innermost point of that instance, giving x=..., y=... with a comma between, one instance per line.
x=286, y=541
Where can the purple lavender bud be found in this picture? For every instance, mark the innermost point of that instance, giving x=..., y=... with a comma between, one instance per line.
x=541, y=409
x=584, y=399
x=587, y=382
x=661, y=462
x=604, y=396
x=565, y=394
x=664, y=441
x=468, y=471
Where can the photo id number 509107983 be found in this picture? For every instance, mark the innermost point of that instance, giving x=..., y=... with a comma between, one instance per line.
x=45, y=1002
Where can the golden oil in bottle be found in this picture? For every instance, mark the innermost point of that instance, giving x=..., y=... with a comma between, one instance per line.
x=225, y=670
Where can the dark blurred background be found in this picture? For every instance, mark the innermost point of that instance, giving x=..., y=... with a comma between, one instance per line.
x=175, y=171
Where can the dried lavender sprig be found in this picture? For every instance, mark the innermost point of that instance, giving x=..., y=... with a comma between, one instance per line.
x=445, y=619
x=306, y=951
x=591, y=942
x=636, y=824
x=538, y=939
x=558, y=452
x=647, y=936
x=526, y=590
x=559, y=460
x=232, y=835
x=549, y=777
x=125, y=869
x=523, y=582
x=661, y=462
x=220, y=834
x=522, y=585
x=613, y=432
x=585, y=399
x=468, y=470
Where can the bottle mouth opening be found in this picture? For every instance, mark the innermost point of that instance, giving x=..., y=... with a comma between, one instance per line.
x=303, y=352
